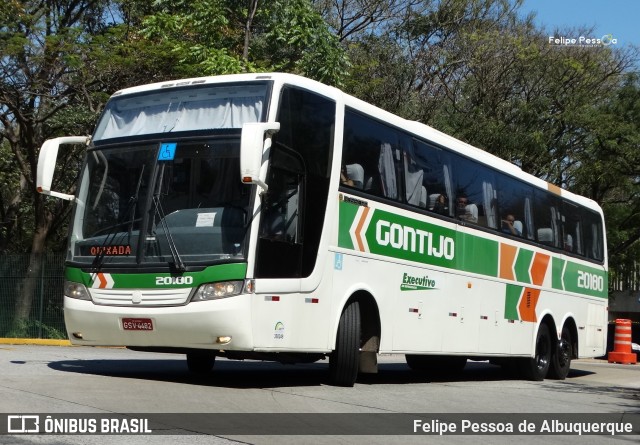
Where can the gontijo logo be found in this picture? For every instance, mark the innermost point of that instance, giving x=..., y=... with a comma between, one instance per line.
x=414, y=240
x=381, y=232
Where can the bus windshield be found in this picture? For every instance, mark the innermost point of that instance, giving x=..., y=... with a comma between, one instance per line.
x=166, y=202
x=206, y=107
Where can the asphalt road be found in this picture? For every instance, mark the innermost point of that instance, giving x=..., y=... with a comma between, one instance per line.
x=109, y=381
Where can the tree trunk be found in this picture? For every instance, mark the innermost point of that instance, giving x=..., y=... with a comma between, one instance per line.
x=29, y=284
x=253, y=7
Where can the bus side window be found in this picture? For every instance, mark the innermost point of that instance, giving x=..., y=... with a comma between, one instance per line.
x=475, y=193
x=593, y=237
x=571, y=228
x=427, y=177
x=514, y=202
x=370, y=156
x=547, y=219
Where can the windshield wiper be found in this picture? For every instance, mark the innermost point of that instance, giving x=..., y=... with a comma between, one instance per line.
x=111, y=230
x=177, y=260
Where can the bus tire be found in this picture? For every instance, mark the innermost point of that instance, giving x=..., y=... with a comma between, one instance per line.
x=436, y=364
x=344, y=360
x=561, y=357
x=537, y=367
x=200, y=362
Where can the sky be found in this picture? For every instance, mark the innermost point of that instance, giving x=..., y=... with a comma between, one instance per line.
x=620, y=18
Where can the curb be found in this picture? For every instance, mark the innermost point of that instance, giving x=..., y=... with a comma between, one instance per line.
x=34, y=341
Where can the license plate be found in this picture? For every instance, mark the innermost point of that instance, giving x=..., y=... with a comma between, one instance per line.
x=137, y=324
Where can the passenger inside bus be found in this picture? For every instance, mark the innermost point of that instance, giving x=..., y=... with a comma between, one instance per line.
x=511, y=226
x=352, y=175
x=466, y=211
x=441, y=206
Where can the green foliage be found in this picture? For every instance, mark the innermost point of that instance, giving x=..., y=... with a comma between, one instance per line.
x=197, y=33
x=31, y=328
x=208, y=37
x=298, y=40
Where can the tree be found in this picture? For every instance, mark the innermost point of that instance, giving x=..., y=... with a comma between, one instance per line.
x=56, y=58
x=209, y=37
x=61, y=59
x=611, y=174
x=351, y=19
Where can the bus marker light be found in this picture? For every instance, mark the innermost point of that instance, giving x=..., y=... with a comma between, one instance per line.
x=223, y=339
x=312, y=300
x=272, y=298
x=77, y=335
x=453, y=314
x=413, y=310
x=484, y=317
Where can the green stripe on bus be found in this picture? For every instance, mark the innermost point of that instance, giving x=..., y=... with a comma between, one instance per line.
x=405, y=238
x=523, y=265
x=511, y=302
x=557, y=266
x=477, y=255
x=346, y=216
x=222, y=272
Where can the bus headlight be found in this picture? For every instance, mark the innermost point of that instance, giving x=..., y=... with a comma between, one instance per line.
x=214, y=291
x=76, y=290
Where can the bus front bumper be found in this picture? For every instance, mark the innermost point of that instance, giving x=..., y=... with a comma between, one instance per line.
x=218, y=324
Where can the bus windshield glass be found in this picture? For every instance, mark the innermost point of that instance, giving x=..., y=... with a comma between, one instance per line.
x=161, y=203
x=200, y=108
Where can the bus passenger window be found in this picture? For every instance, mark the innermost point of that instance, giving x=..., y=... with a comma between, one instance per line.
x=571, y=228
x=593, y=235
x=427, y=173
x=370, y=156
x=546, y=211
x=475, y=193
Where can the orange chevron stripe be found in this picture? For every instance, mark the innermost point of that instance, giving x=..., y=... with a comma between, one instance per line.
x=358, y=233
x=528, y=303
x=507, y=257
x=539, y=268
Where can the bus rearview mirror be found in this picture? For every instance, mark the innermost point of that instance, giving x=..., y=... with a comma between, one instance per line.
x=252, y=149
x=47, y=164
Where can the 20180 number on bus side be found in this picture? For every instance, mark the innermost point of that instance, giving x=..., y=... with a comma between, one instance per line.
x=272, y=217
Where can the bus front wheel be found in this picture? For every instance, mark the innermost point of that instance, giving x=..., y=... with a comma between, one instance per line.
x=344, y=360
x=537, y=367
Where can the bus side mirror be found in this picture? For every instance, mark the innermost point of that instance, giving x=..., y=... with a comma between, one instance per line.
x=47, y=164
x=252, y=148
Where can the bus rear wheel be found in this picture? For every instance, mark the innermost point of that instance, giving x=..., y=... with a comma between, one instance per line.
x=200, y=362
x=561, y=358
x=537, y=367
x=345, y=359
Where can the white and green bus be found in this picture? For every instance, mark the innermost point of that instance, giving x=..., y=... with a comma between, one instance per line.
x=271, y=217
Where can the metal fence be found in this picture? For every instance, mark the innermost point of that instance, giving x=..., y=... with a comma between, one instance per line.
x=46, y=318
